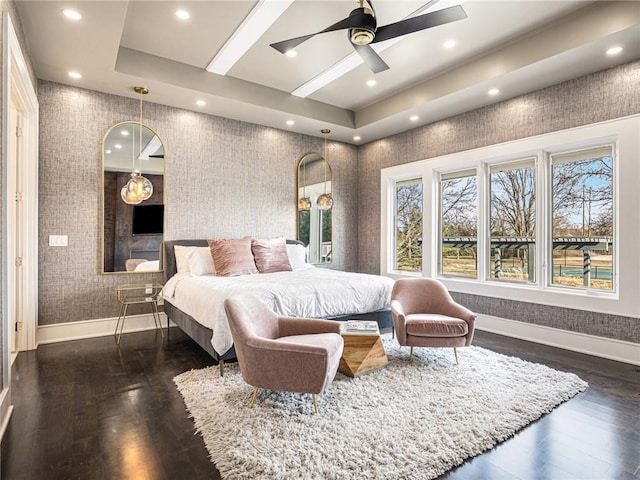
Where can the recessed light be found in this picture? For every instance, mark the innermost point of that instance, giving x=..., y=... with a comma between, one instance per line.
x=291, y=53
x=118, y=146
x=124, y=133
x=371, y=83
x=414, y=118
x=614, y=50
x=75, y=75
x=493, y=91
x=201, y=103
x=107, y=151
x=72, y=14
x=449, y=44
x=290, y=122
x=357, y=138
x=183, y=14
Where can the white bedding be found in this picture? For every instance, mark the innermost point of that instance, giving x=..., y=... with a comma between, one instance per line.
x=310, y=292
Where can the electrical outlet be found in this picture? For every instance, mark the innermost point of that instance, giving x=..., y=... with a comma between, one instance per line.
x=58, y=240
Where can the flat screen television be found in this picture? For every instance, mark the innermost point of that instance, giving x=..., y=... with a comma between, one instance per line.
x=147, y=219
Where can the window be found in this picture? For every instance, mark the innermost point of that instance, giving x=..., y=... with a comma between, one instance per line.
x=408, y=221
x=458, y=219
x=513, y=221
x=583, y=220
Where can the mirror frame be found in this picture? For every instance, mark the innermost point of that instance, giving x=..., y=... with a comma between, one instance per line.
x=102, y=199
x=298, y=186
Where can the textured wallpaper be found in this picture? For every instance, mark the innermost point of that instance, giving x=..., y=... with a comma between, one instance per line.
x=604, y=95
x=224, y=179
x=227, y=178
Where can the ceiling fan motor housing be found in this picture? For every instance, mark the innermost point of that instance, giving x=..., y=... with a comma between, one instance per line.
x=366, y=31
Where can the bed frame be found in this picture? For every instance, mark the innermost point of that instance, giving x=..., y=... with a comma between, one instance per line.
x=202, y=335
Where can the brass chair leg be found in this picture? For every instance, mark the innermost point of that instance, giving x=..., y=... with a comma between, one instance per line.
x=411, y=356
x=315, y=405
x=253, y=397
x=221, y=365
x=455, y=352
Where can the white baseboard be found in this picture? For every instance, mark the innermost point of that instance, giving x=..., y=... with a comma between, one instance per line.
x=62, y=332
x=612, y=349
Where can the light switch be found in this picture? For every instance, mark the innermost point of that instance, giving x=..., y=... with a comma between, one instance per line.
x=58, y=240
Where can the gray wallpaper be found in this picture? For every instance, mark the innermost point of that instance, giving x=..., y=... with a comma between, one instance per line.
x=593, y=98
x=224, y=179
x=227, y=178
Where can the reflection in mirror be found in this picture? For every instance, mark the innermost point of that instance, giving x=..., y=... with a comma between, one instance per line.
x=132, y=233
x=314, y=223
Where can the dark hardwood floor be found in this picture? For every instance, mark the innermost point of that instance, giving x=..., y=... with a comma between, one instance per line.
x=90, y=410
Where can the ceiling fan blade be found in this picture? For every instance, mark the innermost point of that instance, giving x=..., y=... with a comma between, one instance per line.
x=357, y=18
x=421, y=22
x=371, y=58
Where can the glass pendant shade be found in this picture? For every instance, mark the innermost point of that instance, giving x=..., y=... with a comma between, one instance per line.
x=137, y=189
x=304, y=203
x=325, y=201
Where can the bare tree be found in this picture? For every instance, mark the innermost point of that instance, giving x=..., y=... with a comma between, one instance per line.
x=513, y=202
x=409, y=226
x=459, y=206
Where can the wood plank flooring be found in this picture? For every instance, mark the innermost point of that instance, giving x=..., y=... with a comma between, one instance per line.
x=90, y=410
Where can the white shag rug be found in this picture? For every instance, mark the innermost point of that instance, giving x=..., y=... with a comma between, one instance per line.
x=402, y=422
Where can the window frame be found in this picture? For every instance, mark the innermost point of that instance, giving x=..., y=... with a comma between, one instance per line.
x=504, y=165
x=621, y=133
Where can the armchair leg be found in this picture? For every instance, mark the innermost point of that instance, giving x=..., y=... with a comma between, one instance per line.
x=455, y=352
x=315, y=405
x=221, y=365
x=253, y=397
x=411, y=355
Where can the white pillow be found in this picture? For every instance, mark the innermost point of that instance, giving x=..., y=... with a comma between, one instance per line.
x=297, y=256
x=201, y=262
x=182, y=258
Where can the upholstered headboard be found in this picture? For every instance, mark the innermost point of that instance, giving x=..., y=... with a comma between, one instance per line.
x=170, y=256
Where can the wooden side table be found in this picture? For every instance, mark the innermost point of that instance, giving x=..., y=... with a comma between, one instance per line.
x=363, y=352
x=148, y=293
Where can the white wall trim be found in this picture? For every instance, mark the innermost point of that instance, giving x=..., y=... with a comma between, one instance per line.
x=62, y=332
x=609, y=348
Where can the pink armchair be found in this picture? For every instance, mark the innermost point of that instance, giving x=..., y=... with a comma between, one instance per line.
x=281, y=353
x=425, y=315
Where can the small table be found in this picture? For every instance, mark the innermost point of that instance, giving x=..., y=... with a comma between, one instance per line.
x=363, y=351
x=148, y=293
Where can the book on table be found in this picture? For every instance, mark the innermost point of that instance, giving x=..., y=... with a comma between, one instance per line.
x=362, y=326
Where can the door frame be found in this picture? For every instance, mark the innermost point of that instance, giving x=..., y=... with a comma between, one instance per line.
x=17, y=85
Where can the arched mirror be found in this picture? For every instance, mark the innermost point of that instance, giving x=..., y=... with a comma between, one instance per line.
x=133, y=172
x=315, y=207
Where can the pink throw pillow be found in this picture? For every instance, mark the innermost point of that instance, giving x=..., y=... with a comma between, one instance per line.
x=271, y=255
x=232, y=256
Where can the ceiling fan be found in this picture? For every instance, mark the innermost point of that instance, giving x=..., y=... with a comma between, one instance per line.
x=363, y=30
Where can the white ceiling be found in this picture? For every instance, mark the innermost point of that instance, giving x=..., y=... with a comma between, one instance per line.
x=516, y=46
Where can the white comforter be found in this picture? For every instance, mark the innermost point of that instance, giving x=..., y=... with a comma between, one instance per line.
x=311, y=292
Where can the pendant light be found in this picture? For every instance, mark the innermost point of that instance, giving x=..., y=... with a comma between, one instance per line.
x=325, y=201
x=138, y=188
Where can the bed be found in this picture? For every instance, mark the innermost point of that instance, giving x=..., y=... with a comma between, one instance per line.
x=195, y=302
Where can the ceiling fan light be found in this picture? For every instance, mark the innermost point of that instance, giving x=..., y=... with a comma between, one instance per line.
x=360, y=36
